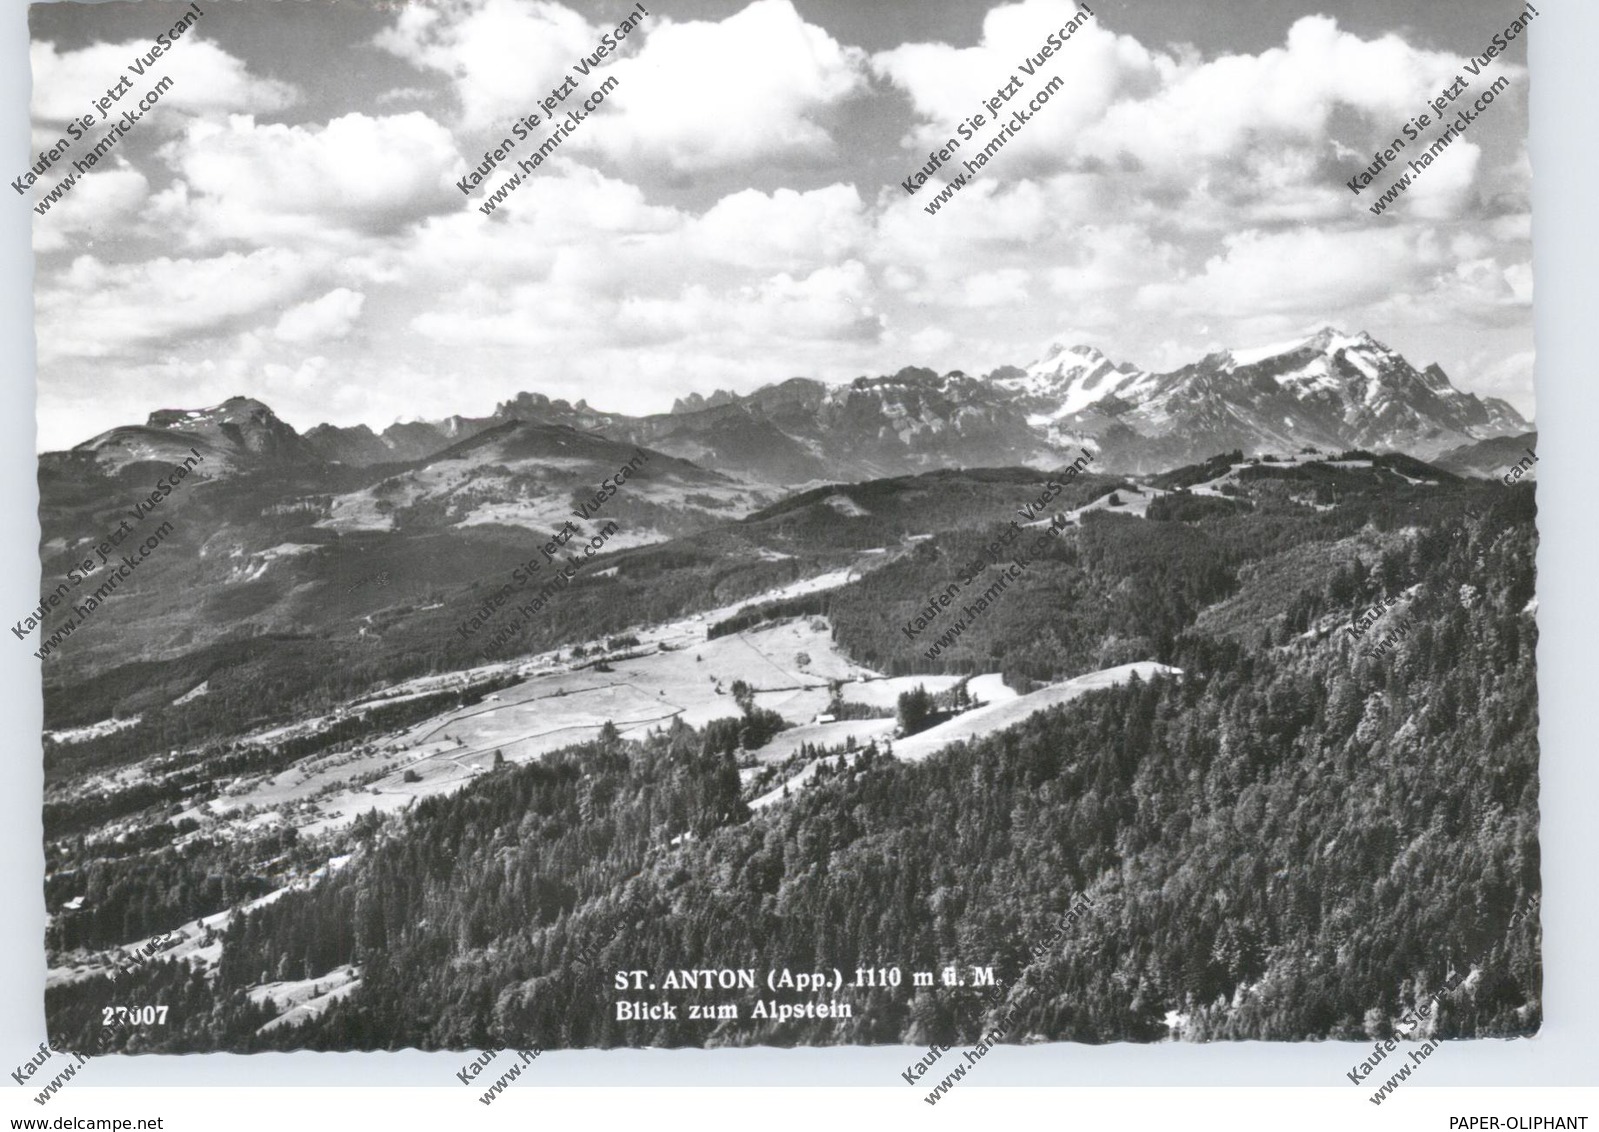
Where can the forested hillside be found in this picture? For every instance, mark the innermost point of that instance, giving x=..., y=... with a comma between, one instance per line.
x=1296, y=839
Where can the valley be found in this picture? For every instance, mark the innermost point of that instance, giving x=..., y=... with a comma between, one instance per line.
x=720, y=709
x=641, y=680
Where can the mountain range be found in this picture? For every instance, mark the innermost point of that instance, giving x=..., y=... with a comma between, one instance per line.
x=285, y=519
x=1330, y=390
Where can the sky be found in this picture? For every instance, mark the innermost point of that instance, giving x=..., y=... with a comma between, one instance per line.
x=285, y=223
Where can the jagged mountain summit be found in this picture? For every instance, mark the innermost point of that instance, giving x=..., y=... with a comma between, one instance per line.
x=693, y=403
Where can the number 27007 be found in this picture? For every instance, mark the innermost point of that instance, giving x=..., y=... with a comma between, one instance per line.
x=135, y=1015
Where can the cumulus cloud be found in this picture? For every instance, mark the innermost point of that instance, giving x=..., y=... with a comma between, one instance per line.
x=995, y=288
x=1213, y=111
x=759, y=85
x=1445, y=190
x=947, y=84
x=332, y=316
x=830, y=304
x=756, y=229
x=990, y=220
x=205, y=80
x=1511, y=378
x=694, y=95
x=502, y=55
x=597, y=237
x=103, y=206
x=260, y=182
x=306, y=377
x=101, y=309
x=1062, y=234
x=600, y=225
x=1480, y=292
x=406, y=94
x=1300, y=270
x=1264, y=138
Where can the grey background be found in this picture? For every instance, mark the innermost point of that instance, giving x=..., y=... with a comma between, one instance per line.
x=1564, y=229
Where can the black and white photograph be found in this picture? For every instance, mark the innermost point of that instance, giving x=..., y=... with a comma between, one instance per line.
x=722, y=524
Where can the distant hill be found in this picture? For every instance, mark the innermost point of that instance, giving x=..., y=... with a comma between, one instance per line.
x=270, y=537
x=1488, y=458
x=238, y=434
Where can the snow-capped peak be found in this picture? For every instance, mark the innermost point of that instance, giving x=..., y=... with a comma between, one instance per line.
x=1328, y=340
x=1080, y=350
x=1066, y=379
